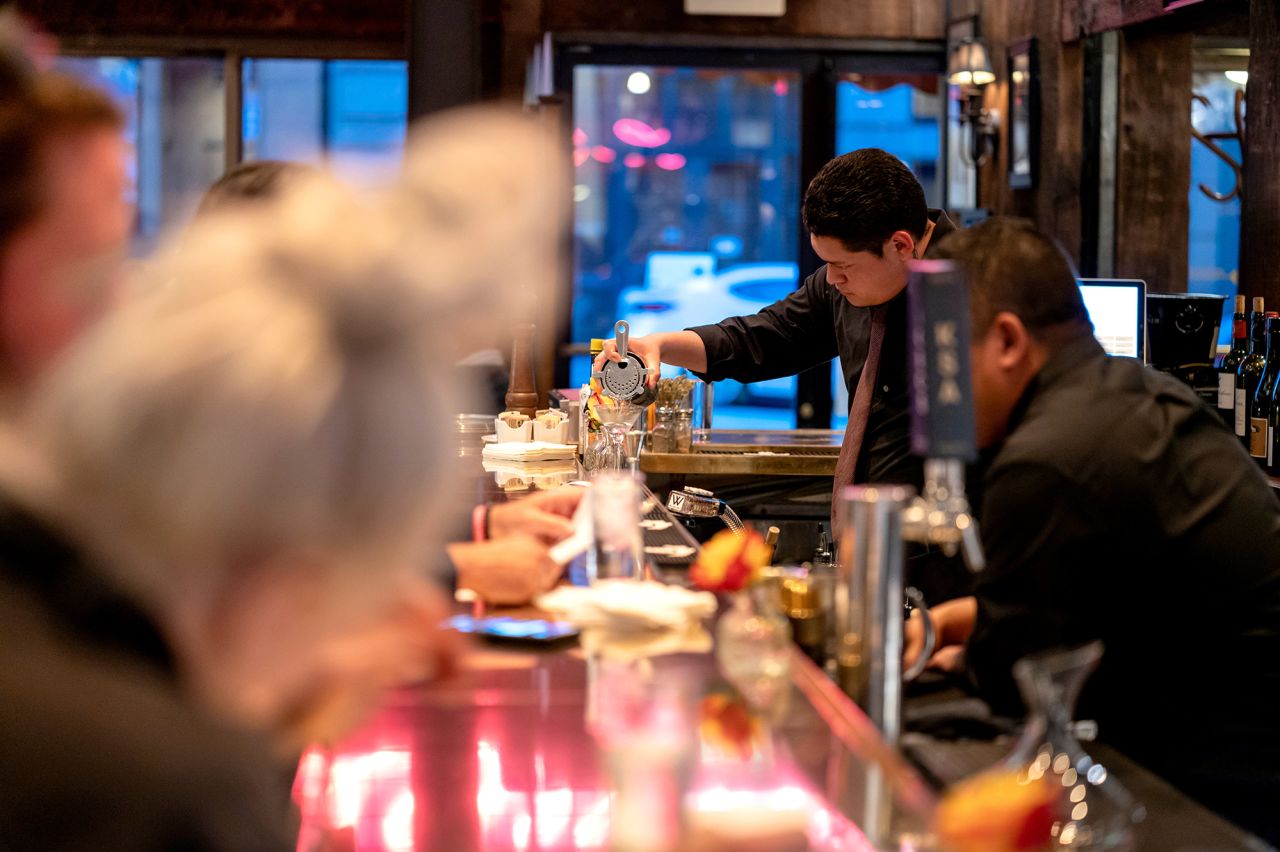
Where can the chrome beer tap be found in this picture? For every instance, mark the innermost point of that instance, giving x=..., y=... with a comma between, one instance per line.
x=878, y=519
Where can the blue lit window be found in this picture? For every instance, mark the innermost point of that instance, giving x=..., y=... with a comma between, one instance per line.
x=1213, y=262
x=350, y=114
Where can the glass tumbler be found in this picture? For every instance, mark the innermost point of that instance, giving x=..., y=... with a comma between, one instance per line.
x=618, y=547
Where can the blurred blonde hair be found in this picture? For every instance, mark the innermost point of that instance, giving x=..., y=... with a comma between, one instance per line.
x=284, y=382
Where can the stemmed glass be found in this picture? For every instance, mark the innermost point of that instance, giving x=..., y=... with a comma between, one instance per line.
x=1101, y=814
x=617, y=421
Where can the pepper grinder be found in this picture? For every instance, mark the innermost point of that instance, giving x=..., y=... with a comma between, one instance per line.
x=522, y=386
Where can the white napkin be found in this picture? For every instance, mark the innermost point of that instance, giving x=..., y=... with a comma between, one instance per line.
x=528, y=451
x=629, y=605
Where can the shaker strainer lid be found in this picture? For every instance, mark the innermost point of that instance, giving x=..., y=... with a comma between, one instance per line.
x=625, y=380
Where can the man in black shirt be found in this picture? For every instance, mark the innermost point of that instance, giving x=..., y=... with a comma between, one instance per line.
x=866, y=217
x=1118, y=507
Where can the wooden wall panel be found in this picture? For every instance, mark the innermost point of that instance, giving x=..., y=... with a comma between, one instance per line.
x=1153, y=169
x=1054, y=202
x=888, y=19
x=1260, y=212
x=1058, y=192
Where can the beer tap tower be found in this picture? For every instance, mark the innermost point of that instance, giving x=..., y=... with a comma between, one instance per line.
x=878, y=519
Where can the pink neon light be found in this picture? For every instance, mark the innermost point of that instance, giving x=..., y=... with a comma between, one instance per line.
x=635, y=132
x=780, y=87
x=633, y=160
x=670, y=162
x=579, y=137
x=580, y=156
x=603, y=154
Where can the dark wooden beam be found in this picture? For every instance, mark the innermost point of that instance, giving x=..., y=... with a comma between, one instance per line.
x=1086, y=17
x=1260, y=209
x=354, y=20
x=1153, y=168
x=1056, y=202
x=444, y=55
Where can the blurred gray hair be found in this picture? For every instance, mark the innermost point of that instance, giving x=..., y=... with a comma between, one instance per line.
x=285, y=383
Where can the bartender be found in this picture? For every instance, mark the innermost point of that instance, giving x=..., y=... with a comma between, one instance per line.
x=1117, y=507
x=867, y=218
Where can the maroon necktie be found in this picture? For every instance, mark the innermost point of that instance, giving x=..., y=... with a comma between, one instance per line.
x=859, y=412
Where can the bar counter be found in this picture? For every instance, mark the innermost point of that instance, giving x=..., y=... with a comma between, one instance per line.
x=598, y=744
x=757, y=452
x=517, y=754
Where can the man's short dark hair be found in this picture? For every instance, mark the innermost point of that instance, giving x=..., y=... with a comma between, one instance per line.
x=250, y=182
x=862, y=198
x=1011, y=266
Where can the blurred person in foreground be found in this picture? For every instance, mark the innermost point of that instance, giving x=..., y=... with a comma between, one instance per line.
x=1116, y=506
x=239, y=476
x=508, y=561
x=64, y=219
x=251, y=182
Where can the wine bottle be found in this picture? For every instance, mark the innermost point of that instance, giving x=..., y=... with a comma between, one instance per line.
x=1273, y=428
x=1260, y=406
x=1231, y=362
x=1250, y=370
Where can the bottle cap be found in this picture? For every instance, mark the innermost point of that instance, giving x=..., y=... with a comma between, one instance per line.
x=1258, y=304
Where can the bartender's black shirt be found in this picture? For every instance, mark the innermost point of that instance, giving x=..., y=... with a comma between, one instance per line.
x=812, y=325
x=1120, y=508
x=808, y=328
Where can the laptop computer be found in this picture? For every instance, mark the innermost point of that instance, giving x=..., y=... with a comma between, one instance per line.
x=1117, y=307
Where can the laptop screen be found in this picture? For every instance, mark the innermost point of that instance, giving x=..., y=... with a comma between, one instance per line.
x=1117, y=308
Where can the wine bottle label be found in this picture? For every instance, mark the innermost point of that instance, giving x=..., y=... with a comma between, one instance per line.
x=1226, y=391
x=1258, y=437
x=1241, y=420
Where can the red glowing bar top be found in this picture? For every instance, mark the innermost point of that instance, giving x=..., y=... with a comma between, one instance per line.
x=555, y=751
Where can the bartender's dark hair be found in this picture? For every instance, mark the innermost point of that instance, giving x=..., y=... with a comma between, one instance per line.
x=1012, y=266
x=862, y=198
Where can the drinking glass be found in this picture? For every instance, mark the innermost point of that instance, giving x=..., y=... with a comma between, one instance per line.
x=617, y=421
x=703, y=402
x=642, y=716
x=618, y=550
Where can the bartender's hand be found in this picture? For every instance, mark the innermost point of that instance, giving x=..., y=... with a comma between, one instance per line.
x=513, y=570
x=953, y=622
x=649, y=348
x=544, y=515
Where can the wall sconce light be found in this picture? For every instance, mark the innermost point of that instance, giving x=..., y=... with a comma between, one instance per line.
x=969, y=67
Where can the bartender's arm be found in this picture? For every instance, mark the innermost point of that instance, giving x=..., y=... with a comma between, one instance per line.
x=677, y=348
x=781, y=339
